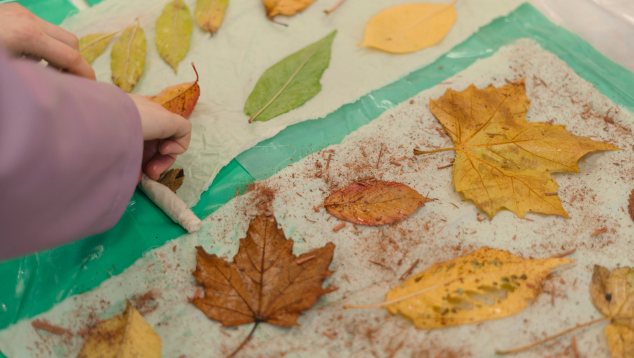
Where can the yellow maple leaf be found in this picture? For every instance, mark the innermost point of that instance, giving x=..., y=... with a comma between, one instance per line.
x=503, y=161
x=482, y=285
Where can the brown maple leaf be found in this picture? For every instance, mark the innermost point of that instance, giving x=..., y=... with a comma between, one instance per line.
x=173, y=179
x=265, y=282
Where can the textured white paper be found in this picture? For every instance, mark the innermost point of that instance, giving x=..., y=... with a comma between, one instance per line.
x=441, y=230
x=231, y=62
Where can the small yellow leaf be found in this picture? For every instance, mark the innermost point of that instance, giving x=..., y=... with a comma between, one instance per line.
x=613, y=294
x=482, y=285
x=409, y=27
x=92, y=46
x=210, y=13
x=620, y=341
x=502, y=160
x=285, y=7
x=173, y=32
x=127, y=60
x=123, y=336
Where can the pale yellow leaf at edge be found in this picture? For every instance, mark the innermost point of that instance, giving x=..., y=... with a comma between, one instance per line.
x=482, y=285
x=409, y=27
x=620, y=341
x=123, y=336
x=210, y=13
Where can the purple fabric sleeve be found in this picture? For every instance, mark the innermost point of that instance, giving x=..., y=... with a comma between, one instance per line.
x=70, y=156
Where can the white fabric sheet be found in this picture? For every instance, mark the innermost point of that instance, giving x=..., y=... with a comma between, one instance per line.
x=441, y=230
x=231, y=62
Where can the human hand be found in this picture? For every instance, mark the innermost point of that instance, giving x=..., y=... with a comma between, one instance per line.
x=24, y=34
x=165, y=136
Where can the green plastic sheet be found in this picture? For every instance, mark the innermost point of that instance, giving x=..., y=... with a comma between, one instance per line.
x=35, y=283
x=54, y=11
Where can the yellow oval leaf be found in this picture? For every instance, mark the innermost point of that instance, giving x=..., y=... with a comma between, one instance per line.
x=127, y=60
x=124, y=336
x=173, y=32
x=374, y=202
x=409, y=27
x=285, y=7
x=482, y=285
x=92, y=46
x=210, y=13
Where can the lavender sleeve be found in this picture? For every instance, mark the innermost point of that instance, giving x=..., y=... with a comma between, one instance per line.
x=70, y=155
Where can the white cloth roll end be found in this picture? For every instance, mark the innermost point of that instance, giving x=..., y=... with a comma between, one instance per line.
x=171, y=204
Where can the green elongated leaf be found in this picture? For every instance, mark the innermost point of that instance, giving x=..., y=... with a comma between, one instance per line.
x=290, y=82
x=128, y=58
x=210, y=13
x=173, y=32
x=91, y=46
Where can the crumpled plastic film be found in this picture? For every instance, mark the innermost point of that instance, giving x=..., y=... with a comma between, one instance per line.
x=33, y=284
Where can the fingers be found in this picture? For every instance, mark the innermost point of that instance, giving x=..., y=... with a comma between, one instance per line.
x=60, y=55
x=171, y=147
x=58, y=33
x=158, y=165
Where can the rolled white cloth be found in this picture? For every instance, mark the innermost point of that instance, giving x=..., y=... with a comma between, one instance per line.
x=171, y=204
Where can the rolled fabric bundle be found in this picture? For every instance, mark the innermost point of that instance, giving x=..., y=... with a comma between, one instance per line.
x=171, y=204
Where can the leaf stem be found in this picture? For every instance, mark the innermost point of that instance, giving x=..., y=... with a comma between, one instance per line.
x=331, y=10
x=245, y=340
x=184, y=91
x=517, y=350
x=287, y=83
x=99, y=39
x=420, y=152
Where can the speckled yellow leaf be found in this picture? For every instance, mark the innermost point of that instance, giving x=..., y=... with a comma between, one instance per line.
x=285, y=7
x=502, y=160
x=409, y=27
x=92, y=46
x=210, y=13
x=123, y=336
x=482, y=285
x=613, y=294
x=127, y=60
x=173, y=32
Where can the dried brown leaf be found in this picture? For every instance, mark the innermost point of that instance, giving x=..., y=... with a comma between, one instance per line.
x=173, y=179
x=374, y=202
x=265, y=282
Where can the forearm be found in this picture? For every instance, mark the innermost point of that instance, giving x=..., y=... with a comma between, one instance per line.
x=71, y=154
